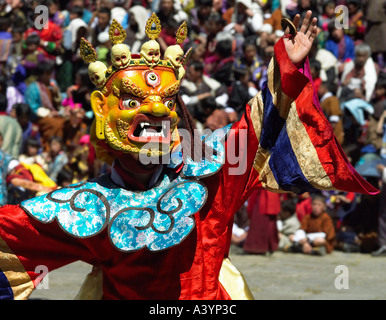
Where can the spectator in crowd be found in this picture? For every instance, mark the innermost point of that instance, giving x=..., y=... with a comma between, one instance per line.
x=376, y=30
x=50, y=34
x=242, y=91
x=11, y=92
x=331, y=107
x=287, y=223
x=379, y=104
x=171, y=10
x=136, y=35
x=356, y=29
x=199, y=15
x=250, y=61
x=43, y=95
x=6, y=165
x=23, y=114
x=340, y=45
x=10, y=129
x=263, y=209
x=316, y=234
x=56, y=157
x=100, y=24
x=197, y=87
x=359, y=76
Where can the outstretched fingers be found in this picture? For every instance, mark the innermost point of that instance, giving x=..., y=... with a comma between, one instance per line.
x=296, y=21
x=312, y=30
x=306, y=22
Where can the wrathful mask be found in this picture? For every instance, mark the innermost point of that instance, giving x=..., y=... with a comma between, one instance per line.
x=135, y=106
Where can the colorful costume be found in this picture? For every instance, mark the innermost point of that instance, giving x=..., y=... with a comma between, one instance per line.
x=170, y=239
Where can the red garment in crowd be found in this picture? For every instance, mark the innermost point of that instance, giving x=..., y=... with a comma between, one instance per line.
x=51, y=33
x=303, y=207
x=263, y=208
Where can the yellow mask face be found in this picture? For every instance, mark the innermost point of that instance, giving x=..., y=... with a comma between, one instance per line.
x=135, y=106
x=137, y=113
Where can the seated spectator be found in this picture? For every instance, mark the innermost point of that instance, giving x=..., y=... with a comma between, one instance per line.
x=331, y=108
x=242, y=91
x=199, y=16
x=65, y=177
x=43, y=95
x=171, y=9
x=33, y=56
x=379, y=104
x=219, y=67
x=359, y=76
x=56, y=157
x=250, y=61
x=5, y=41
x=315, y=67
x=328, y=14
x=355, y=121
x=50, y=36
x=100, y=24
x=198, y=50
x=12, y=94
x=340, y=45
x=7, y=163
x=287, y=223
x=10, y=129
x=356, y=22
x=328, y=65
x=22, y=113
x=196, y=87
x=76, y=29
x=316, y=235
x=244, y=19
x=27, y=181
x=135, y=31
x=86, y=15
x=30, y=154
x=376, y=29
x=167, y=37
x=240, y=227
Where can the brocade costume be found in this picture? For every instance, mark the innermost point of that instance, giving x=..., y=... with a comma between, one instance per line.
x=171, y=241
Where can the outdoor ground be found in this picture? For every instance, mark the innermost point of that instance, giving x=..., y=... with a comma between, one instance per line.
x=281, y=276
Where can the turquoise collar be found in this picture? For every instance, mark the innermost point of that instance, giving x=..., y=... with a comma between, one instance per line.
x=155, y=219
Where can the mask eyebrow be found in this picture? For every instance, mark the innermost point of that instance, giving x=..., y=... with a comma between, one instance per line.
x=130, y=87
x=171, y=90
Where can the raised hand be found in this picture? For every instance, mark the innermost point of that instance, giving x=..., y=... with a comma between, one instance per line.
x=298, y=46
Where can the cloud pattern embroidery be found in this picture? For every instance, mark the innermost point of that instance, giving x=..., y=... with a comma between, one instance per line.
x=155, y=219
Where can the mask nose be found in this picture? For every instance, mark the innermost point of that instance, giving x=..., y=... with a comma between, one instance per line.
x=158, y=109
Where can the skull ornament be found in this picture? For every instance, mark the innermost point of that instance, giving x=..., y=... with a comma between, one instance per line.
x=120, y=55
x=150, y=51
x=96, y=72
x=175, y=55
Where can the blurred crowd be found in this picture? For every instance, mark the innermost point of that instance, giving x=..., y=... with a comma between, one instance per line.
x=45, y=111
